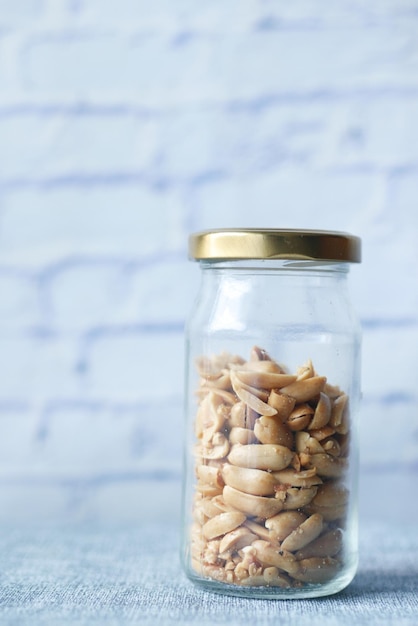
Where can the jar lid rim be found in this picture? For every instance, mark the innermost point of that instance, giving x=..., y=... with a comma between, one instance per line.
x=271, y=243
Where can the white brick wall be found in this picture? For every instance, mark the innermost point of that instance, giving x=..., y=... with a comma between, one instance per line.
x=124, y=126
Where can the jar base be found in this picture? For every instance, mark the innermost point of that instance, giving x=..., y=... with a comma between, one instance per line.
x=276, y=593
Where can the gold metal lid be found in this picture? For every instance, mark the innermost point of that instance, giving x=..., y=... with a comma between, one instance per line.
x=257, y=243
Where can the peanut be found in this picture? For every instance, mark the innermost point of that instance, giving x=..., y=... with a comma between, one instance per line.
x=252, y=481
x=269, y=555
x=300, y=417
x=322, y=412
x=328, y=544
x=265, y=380
x=283, y=524
x=297, y=498
x=283, y=404
x=243, y=416
x=305, y=389
x=327, y=465
x=309, y=530
x=291, y=478
x=222, y=523
x=317, y=569
x=217, y=448
x=272, y=430
x=236, y=540
x=253, y=506
x=261, y=456
x=242, y=435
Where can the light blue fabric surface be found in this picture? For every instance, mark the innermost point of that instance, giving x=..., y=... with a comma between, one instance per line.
x=133, y=576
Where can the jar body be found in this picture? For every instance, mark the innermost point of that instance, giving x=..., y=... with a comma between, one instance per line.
x=272, y=394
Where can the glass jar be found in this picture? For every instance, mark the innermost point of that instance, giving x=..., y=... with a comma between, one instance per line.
x=272, y=395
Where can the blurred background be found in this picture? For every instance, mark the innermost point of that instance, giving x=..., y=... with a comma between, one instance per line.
x=124, y=126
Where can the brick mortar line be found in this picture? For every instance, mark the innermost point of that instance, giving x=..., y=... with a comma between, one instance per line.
x=95, y=480
x=134, y=108
x=100, y=405
x=104, y=479
x=390, y=467
x=163, y=183
x=372, y=324
x=128, y=264
x=180, y=30
x=95, y=406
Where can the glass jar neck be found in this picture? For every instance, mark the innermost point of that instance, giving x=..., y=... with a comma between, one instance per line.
x=293, y=267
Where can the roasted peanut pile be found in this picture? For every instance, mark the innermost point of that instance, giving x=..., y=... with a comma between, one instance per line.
x=269, y=503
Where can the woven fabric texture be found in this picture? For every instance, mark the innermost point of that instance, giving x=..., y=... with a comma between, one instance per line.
x=133, y=576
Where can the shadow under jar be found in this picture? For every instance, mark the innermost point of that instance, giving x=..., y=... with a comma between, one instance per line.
x=272, y=394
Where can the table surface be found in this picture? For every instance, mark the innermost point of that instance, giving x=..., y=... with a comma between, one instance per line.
x=127, y=576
